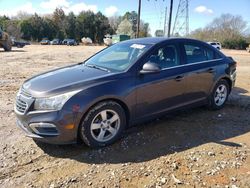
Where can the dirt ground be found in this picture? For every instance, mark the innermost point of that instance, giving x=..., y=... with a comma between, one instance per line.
x=193, y=148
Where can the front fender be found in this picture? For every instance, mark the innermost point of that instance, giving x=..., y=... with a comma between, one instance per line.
x=122, y=90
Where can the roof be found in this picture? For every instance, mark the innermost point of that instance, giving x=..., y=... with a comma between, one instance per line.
x=155, y=40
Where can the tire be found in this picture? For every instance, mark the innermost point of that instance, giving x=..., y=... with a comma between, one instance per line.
x=103, y=124
x=7, y=45
x=219, y=95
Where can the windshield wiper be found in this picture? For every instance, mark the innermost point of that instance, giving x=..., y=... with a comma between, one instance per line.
x=97, y=67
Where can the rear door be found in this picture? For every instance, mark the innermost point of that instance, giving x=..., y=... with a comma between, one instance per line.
x=201, y=64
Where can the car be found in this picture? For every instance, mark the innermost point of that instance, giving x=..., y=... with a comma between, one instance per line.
x=71, y=42
x=18, y=44
x=55, y=42
x=45, y=42
x=215, y=45
x=65, y=41
x=124, y=84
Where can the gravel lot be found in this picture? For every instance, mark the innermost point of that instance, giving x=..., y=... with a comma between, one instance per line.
x=193, y=148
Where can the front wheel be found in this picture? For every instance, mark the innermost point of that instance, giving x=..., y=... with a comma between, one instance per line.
x=103, y=124
x=219, y=95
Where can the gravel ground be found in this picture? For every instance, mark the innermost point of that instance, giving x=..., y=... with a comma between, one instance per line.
x=193, y=148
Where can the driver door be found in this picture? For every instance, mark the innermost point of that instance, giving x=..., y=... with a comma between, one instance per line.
x=162, y=91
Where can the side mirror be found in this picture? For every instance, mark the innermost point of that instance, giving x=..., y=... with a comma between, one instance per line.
x=150, y=68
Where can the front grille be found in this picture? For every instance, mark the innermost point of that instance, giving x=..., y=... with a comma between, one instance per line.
x=22, y=99
x=21, y=106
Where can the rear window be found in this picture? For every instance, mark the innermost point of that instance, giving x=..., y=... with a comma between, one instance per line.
x=197, y=53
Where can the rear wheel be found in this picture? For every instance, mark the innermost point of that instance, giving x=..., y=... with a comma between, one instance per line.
x=219, y=95
x=103, y=124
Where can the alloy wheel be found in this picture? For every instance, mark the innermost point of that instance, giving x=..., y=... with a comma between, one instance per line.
x=105, y=125
x=220, y=95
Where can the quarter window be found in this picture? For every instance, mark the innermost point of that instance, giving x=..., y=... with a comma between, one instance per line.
x=197, y=53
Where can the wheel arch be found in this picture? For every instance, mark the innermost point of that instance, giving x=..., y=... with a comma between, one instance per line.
x=120, y=102
x=229, y=81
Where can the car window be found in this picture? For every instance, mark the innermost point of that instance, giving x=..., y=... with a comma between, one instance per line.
x=165, y=57
x=197, y=53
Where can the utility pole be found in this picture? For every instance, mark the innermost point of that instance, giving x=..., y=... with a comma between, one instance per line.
x=138, y=19
x=165, y=21
x=170, y=17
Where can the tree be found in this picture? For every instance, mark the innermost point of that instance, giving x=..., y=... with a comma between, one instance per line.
x=48, y=28
x=228, y=29
x=132, y=17
x=70, y=25
x=144, y=29
x=13, y=29
x=21, y=15
x=102, y=27
x=85, y=25
x=125, y=28
x=222, y=28
x=114, y=21
x=60, y=25
x=26, y=29
x=59, y=20
x=3, y=21
x=229, y=26
x=36, y=27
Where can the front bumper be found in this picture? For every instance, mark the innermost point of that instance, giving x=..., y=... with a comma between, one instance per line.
x=61, y=132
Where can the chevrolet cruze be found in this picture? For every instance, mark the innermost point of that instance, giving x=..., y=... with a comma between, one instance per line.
x=122, y=85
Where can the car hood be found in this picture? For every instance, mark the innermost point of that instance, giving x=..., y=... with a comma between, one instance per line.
x=64, y=79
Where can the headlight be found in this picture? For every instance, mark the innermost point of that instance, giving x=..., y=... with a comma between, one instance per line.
x=53, y=103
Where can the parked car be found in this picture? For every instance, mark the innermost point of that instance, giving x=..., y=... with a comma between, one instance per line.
x=215, y=45
x=45, y=42
x=122, y=85
x=248, y=48
x=55, y=42
x=72, y=42
x=25, y=42
x=65, y=41
x=18, y=44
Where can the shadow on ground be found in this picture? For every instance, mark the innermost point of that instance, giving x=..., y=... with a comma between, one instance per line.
x=175, y=132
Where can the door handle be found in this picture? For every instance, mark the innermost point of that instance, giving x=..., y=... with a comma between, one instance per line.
x=179, y=78
x=211, y=70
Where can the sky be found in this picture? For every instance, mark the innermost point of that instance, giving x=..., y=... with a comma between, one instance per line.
x=201, y=12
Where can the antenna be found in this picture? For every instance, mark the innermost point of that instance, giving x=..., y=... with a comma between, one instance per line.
x=181, y=23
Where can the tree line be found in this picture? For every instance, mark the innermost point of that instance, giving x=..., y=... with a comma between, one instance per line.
x=59, y=25
x=230, y=30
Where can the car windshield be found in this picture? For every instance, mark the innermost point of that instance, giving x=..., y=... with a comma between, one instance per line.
x=118, y=57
